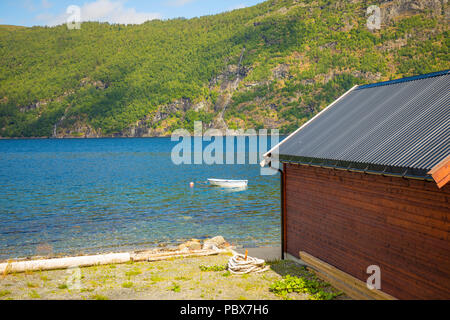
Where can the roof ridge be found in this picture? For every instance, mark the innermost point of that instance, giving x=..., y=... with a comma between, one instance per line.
x=407, y=79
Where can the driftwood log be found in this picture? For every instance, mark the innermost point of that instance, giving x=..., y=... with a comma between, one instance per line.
x=102, y=259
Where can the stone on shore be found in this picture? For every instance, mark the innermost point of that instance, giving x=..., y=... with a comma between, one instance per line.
x=209, y=244
x=216, y=242
x=193, y=244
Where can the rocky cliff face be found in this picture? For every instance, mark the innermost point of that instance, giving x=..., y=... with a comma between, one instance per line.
x=390, y=10
x=225, y=84
x=146, y=127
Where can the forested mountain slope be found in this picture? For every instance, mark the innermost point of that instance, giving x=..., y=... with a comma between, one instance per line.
x=273, y=65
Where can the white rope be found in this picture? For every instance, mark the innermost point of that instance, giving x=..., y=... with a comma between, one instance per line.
x=238, y=265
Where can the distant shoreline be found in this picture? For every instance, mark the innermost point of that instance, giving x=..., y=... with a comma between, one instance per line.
x=76, y=138
x=93, y=138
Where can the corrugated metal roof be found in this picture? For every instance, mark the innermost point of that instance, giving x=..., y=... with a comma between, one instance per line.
x=394, y=125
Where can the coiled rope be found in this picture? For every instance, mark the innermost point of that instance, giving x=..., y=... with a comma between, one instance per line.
x=239, y=264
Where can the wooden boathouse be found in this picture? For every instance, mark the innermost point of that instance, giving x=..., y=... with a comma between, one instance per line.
x=365, y=183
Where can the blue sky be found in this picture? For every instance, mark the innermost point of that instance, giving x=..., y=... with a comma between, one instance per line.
x=51, y=12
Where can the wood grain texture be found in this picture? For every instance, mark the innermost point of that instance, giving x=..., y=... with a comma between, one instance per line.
x=343, y=281
x=441, y=173
x=353, y=220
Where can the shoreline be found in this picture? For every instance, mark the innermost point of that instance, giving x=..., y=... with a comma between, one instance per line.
x=125, y=137
x=100, y=138
x=161, y=247
x=193, y=247
x=77, y=138
x=137, y=250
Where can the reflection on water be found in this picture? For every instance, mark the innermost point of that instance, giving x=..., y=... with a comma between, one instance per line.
x=71, y=196
x=230, y=189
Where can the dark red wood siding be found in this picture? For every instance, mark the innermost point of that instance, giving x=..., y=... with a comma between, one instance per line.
x=353, y=220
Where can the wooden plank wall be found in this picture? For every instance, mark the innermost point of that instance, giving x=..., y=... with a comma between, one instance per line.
x=354, y=220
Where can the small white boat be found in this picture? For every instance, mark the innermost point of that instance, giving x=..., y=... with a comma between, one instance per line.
x=228, y=183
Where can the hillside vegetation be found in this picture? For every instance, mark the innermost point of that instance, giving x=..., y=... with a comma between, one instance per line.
x=273, y=65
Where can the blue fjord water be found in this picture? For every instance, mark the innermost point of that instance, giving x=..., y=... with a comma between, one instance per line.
x=101, y=195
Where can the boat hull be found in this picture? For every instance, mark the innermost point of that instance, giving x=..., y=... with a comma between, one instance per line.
x=228, y=183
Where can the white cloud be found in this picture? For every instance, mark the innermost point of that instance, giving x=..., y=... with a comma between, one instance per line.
x=104, y=11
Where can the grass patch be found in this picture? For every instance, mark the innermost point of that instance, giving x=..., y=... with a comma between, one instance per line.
x=175, y=287
x=183, y=278
x=34, y=295
x=226, y=274
x=99, y=297
x=4, y=293
x=323, y=295
x=32, y=285
x=213, y=268
x=133, y=272
x=127, y=284
x=62, y=286
x=93, y=269
x=175, y=280
x=312, y=287
x=156, y=278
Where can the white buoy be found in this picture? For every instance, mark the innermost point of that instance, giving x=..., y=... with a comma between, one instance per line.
x=191, y=184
